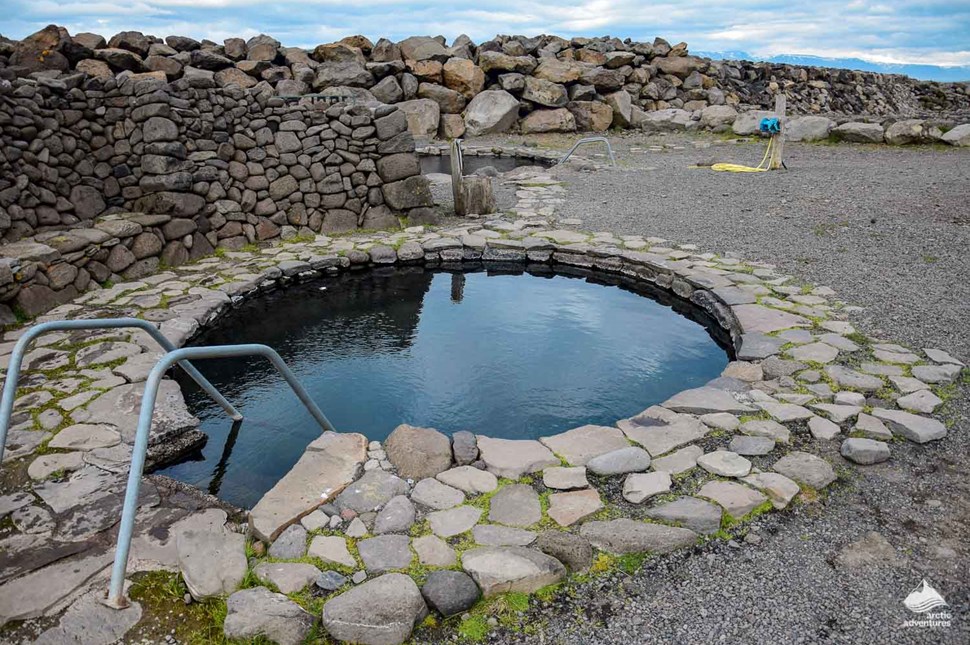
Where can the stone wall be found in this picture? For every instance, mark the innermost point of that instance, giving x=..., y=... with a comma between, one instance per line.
x=535, y=84
x=109, y=179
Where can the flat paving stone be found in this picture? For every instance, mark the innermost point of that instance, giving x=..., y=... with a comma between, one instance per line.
x=751, y=446
x=385, y=552
x=565, y=478
x=639, y=487
x=815, y=353
x=786, y=412
x=212, y=562
x=658, y=439
x=568, y=508
x=631, y=459
x=696, y=514
x=705, y=400
x=512, y=458
x=508, y=569
x=259, y=612
x=433, y=494
x=85, y=436
x=291, y=544
x=766, y=428
x=515, y=505
x=837, y=413
x=288, y=577
x=911, y=426
x=433, y=551
x=865, y=451
x=737, y=500
x=724, y=463
x=372, y=491
x=382, y=611
x=721, y=421
x=454, y=521
x=469, y=479
x=44, y=466
x=397, y=516
x=921, y=401
x=624, y=536
x=679, y=461
x=937, y=374
x=872, y=428
x=332, y=549
x=579, y=445
x=805, y=468
x=760, y=319
x=329, y=464
x=88, y=620
x=757, y=346
x=823, y=428
x=850, y=378
x=779, y=489
x=497, y=535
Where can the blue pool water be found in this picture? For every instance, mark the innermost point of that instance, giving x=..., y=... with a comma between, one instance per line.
x=513, y=356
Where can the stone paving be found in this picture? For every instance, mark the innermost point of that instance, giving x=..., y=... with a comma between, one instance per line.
x=362, y=539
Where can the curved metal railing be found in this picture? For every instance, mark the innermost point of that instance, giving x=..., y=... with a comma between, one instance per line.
x=609, y=149
x=173, y=356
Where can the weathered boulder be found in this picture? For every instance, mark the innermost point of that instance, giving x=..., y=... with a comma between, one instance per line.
x=629, y=536
x=809, y=128
x=958, y=136
x=539, y=121
x=718, y=117
x=490, y=112
x=622, y=105
x=212, y=562
x=592, y=116
x=382, y=611
x=258, y=612
x=463, y=76
x=450, y=592
x=748, y=123
x=860, y=132
x=449, y=101
x=542, y=92
x=558, y=71
x=423, y=116
x=423, y=48
x=506, y=569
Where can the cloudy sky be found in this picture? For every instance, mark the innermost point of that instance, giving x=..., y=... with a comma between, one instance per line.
x=934, y=32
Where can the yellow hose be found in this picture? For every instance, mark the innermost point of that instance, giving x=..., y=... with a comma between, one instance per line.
x=733, y=167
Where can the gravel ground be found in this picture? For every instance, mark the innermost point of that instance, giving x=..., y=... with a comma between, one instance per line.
x=889, y=229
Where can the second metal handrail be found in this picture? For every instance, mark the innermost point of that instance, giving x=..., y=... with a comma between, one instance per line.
x=116, y=597
x=586, y=140
x=20, y=349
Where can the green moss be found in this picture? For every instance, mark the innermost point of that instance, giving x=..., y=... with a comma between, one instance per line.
x=547, y=593
x=728, y=522
x=630, y=563
x=858, y=338
x=474, y=628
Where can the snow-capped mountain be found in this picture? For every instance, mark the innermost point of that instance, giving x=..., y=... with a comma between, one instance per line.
x=922, y=72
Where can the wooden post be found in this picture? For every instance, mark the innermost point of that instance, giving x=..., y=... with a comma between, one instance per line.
x=457, y=168
x=778, y=146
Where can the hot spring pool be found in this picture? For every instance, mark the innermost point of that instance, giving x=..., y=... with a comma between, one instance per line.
x=511, y=356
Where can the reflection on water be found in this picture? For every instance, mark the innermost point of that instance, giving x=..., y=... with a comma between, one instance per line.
x=442, y=163
x=514, y=356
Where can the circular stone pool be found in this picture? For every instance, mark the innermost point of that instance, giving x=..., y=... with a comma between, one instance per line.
x=510, y=356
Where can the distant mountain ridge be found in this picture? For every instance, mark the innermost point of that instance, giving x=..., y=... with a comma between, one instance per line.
x=922, y=72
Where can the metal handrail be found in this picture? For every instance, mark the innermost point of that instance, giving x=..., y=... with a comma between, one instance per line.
x=17, y=357
x=116, y=597
x=609, y=149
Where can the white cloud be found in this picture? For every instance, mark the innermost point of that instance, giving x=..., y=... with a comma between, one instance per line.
x=905, y=31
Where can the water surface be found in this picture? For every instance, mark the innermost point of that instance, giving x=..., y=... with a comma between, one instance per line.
x=513, y=356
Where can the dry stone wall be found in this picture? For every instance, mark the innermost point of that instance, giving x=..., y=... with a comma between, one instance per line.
x=109, y=179
x=531, y=84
